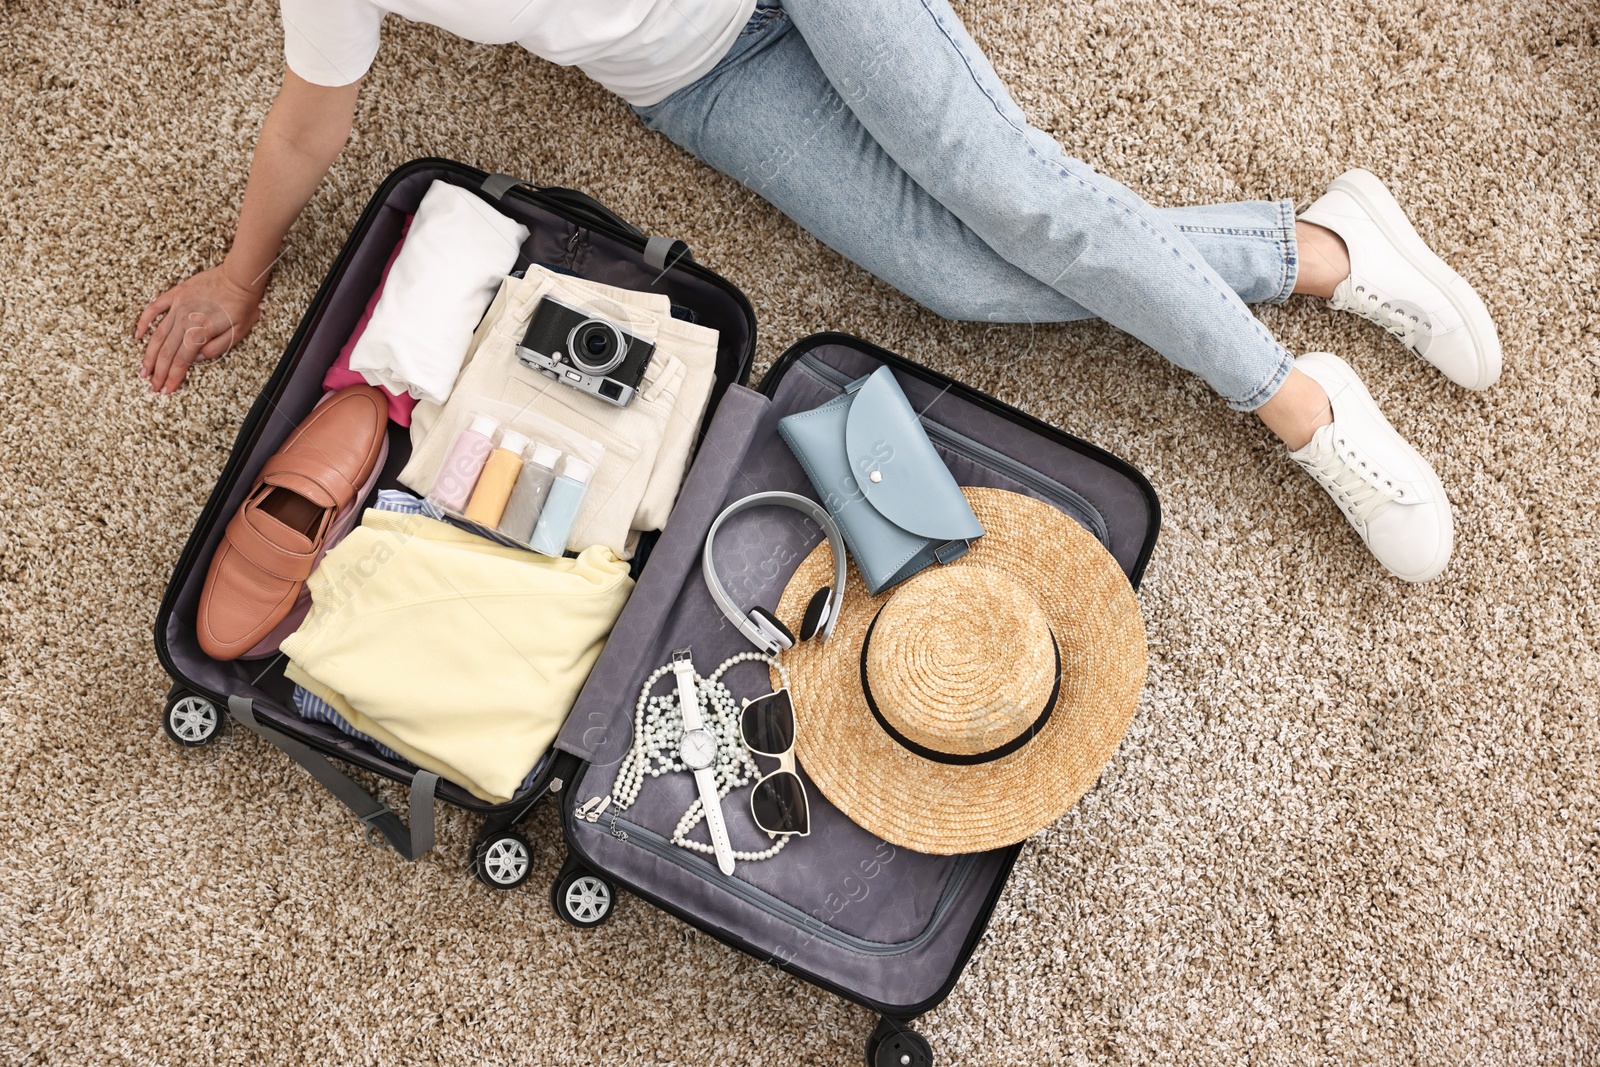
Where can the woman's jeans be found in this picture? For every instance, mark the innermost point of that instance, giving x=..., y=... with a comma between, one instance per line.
x=880, y=127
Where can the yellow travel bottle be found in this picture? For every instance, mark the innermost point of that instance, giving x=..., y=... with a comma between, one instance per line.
x=494, y=484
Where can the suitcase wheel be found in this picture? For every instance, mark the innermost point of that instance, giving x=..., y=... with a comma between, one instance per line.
x=190, y=720
x=892, y=1044
x=503, y=860
x=582, y=897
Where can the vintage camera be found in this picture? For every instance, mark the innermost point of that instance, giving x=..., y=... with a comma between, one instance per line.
x=586, y=351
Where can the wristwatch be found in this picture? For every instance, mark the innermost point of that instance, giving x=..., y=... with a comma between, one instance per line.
x=699, y=753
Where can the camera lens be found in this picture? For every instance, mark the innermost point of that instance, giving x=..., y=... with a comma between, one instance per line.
x=596, y=345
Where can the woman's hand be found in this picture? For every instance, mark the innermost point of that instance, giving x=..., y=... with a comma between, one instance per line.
x=201, y=319
x=210, y=313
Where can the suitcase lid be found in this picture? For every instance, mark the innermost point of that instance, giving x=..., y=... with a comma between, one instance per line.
x=902, y=945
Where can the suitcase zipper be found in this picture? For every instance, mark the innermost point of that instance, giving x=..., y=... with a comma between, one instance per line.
x=594, y=807
x=1064, y=497
x=786, y=913
x=569, y=258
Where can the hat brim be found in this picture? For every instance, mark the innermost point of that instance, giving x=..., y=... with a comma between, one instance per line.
x=946, y=809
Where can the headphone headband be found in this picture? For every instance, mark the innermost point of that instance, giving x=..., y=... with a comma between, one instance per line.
x=758, y=635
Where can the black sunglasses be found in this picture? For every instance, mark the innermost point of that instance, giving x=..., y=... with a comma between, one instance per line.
x=778, y=801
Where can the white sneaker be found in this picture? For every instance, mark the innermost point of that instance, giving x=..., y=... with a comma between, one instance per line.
x=1387, y=491
x=1398, y=283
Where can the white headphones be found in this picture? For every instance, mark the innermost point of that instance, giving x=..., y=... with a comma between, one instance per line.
x=762, y=627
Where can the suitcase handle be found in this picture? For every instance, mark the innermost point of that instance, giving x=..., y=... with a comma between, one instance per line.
x=377, y=816
x=659, y=252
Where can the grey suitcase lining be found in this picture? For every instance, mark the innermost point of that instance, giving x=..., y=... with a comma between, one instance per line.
x=887, y=923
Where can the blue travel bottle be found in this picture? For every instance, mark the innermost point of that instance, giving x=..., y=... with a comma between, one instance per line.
x=554, y=528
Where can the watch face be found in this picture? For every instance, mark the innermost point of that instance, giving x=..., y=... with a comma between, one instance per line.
x=699, y=749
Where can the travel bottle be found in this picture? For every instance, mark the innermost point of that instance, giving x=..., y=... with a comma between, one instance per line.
x=494, y=484
x=459, y=472
x=551, y=532
x=528, y=498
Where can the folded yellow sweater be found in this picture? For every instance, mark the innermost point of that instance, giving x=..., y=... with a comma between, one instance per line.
x=462, y=655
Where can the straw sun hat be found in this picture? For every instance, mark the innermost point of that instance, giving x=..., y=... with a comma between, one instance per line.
x=974, y=703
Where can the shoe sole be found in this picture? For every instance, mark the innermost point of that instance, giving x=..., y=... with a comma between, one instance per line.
x=1380, y=205
x=1351, y=380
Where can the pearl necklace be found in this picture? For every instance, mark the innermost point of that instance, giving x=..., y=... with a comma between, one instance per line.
x=658, y=732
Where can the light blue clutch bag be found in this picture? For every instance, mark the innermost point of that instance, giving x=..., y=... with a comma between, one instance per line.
x=879, y=476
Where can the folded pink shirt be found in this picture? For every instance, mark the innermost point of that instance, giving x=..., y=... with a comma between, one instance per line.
x=340, y=375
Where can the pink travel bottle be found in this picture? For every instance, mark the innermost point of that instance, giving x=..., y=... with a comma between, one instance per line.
x=460, y=470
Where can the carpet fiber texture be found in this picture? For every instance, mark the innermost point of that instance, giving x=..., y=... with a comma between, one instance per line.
x=1353, y=821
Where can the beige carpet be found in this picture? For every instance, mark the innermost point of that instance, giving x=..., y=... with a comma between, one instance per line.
x=1353, y=821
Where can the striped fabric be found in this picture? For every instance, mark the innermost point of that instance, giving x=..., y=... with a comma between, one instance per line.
x=310, y=706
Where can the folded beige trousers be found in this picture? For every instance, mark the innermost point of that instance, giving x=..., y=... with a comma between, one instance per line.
x=647, y=443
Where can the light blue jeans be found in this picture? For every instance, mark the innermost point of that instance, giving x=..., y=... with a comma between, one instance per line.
x=880, y=127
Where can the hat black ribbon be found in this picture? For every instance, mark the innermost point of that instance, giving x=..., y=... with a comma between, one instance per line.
x=954, y=758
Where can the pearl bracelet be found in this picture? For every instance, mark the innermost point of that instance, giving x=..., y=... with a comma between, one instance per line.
x=658, y=732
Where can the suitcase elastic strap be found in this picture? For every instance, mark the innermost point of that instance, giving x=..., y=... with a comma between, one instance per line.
x=374, y=813
x=663, y=252
x=660, y=253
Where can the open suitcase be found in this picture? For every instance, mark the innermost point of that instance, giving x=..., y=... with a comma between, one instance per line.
x=570, y=232
x=887, y=928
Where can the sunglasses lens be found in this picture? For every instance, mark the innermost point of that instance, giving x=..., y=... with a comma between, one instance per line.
x=779, y=804
x=768, y=724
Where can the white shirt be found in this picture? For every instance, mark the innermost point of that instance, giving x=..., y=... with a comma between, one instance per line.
x=642, y=50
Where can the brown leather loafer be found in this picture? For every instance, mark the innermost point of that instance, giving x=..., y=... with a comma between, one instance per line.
x=273, y=542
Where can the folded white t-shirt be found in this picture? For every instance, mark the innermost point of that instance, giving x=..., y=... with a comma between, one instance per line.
x=456, y=252
x=642, y=50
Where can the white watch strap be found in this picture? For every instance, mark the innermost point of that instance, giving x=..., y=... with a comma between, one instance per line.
x=688, y=693
x=705, y=778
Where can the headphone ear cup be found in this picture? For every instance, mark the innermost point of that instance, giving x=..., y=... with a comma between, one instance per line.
x=817, y=611
x=774, y=628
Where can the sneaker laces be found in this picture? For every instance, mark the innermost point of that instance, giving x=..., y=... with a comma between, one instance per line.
x=1361, y=299
x=1358, y=486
